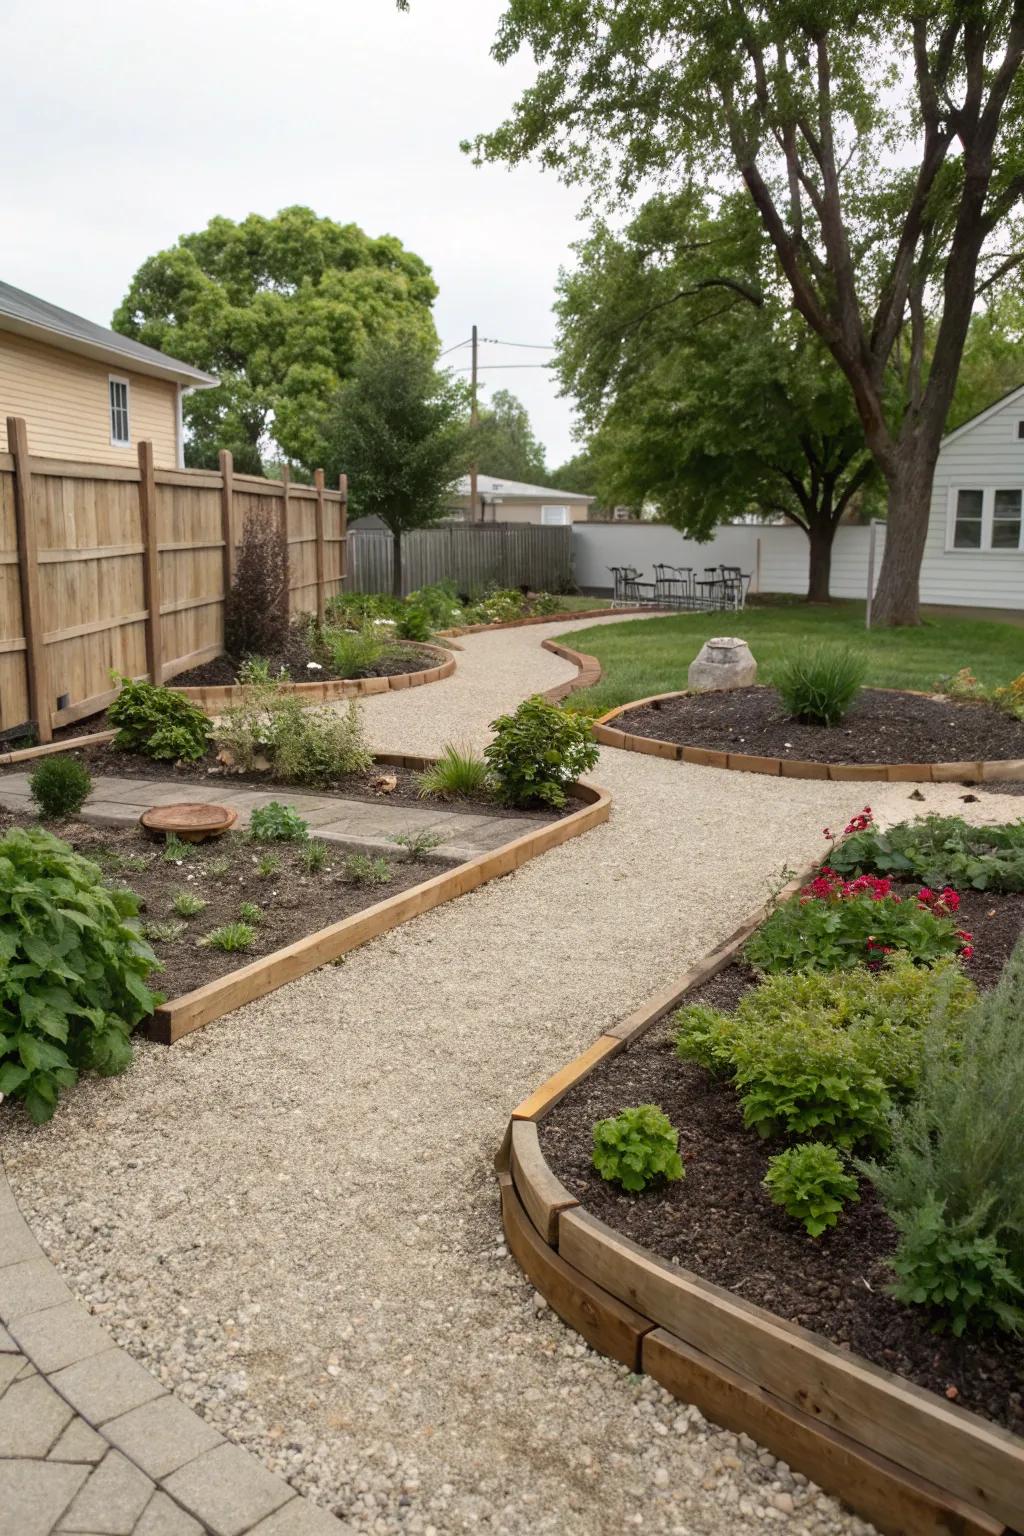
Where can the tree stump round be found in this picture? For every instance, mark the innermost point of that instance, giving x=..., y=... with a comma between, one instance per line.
x=191, y=823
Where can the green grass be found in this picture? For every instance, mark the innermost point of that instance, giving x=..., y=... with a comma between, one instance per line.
x=582, y=603
x=652, y=655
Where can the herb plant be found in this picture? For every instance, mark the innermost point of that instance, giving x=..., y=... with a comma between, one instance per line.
x=537, y=752
x=361, y=869
x=268, y=865
x=959, y=1271
x=163, y=931
x=177, y=851
x=811, y=1184
x=636, y=1147
x=158, y=723
x=312, y=855
x=277, y=823
x=318, y=746
x=418, y=845
x=818, y=686
x=60, y=786
x=250, y=913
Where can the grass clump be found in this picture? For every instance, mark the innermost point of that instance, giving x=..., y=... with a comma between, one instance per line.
x=188, y=904
x=268, y=865
x=312, y=856
x=250, y=913
x=60, y=786
x=361, y=869
x=354, y=652
x=818, y=686
x=459, y=772
x=230, y=938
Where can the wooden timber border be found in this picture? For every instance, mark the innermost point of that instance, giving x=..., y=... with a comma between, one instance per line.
x=899, y=1455
x=798, y=768
x=216, y=697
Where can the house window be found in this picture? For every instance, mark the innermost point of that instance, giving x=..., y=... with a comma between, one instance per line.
x=1020, y=431
x=120, y=427
x=1006, y=520
x=967, y=526
x=554, y=515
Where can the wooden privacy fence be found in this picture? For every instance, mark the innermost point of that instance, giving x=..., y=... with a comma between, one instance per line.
x=473, y=557
x=110, y=567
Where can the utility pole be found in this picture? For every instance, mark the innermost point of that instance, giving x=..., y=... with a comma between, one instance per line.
x=473, y=423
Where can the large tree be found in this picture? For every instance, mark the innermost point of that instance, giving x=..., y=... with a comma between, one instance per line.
x=397, y=429
x=993, y=360
x=881, y=144
x=503, y=442
x=280, y=309
x=704, y=393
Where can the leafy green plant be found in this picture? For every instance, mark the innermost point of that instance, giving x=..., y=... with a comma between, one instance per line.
x=268, y=866
x=811, y=1184
x=246, y=730
x=188, y=904
x=958, y=1271
x=818, y=685
x=73, y=970
x=537, y=752
x=318, y=746
x=940, y=850
x=354, y=652
x=277, y=823
x=157, y=722
x=60, y=786
x=361, y=869
x=810, y=1084
x=1011, y=698
x=458, y=772
x=163, y=932
x=636, y=1147
x=312, y=855
x=230, y=938
x=413, y=623
x=250, y=913
x=850, y=923
x=176, y=851
x=418, y=845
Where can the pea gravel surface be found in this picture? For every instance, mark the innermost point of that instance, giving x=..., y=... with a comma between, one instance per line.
x=290, y=1217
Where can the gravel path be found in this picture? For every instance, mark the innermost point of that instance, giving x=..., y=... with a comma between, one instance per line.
x=291, y=1215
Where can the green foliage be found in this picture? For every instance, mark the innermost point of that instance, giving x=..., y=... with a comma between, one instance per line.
x=318, y=746
x=498, y=605
x=312, y=856
x=280, y=309
x=361, y=869
x=256, y=609
x=818, y=686
x=413, y=623
x=637, y=1147
x=268, y=866
x=806, y=935
x=231, y=938
x=459, y=771
x=187, y=904
x=126, y=863
x=176, y=851
x=277, y=823
x=354, y=652
x=811, y=1184
x=73, y=970
x=811, y=1085
x=250, y=913
x=60, y=786
x=158, y=723
x=219, y=866
x=958, y=1271
x=504, y=444
x=163, y=932
x=418, y=845
x=939, y=850
x=537, y=752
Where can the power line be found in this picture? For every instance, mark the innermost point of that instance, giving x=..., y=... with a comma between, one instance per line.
x=490, y=367
x=455, y=348
x=534, y=346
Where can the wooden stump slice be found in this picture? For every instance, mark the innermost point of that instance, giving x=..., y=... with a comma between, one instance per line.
x=192, y=823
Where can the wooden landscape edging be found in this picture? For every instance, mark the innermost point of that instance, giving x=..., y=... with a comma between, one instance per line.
x=896, y=1453
x=1011, y=769
x=214, y=697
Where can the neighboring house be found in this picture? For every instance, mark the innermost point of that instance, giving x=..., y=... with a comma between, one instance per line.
x=87, y=393
x=513, y=501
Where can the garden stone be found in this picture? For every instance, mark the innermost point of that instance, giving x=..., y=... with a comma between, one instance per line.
x=722, y=662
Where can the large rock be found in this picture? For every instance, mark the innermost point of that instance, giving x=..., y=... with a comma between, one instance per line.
x=724, y=662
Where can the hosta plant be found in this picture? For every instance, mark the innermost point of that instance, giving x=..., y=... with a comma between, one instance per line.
x=811, y=1184
x=73, y=969
x=636, y=1147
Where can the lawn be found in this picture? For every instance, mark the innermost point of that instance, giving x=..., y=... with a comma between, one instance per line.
x=652, y=655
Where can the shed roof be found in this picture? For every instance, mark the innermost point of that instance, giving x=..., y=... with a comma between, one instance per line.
x=518, y=490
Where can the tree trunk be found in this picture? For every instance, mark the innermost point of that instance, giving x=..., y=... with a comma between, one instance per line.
x=821, y=534
x=897, y=597
x=396, y=562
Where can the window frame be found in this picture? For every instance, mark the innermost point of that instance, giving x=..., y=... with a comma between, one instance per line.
x=988, y=497
x=556, y=506
x=112, y=379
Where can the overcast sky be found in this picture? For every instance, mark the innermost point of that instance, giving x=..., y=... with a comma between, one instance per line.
x=125, y=126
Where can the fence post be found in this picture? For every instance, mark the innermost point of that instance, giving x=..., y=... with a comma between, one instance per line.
x=286, y=481
x=227, y=529
x=28, y=576
x=150, y=562
x=343, y=534
x=318, y=481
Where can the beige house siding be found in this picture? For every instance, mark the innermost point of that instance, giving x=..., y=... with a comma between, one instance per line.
x=65, y=401
x=511, y=511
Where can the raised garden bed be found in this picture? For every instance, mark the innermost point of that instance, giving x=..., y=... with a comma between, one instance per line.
x=707, y=1286
x=886, y=734
x=215, y=686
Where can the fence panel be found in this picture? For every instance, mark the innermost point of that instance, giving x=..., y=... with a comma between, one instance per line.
x=500, y=554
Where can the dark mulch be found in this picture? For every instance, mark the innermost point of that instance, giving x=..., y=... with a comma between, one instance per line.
x=881, y=727
x=719, y=1223
x=294, y=657
x=294, y=903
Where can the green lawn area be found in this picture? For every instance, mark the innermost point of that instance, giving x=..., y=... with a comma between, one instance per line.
x=582, y=604
x=652, y=655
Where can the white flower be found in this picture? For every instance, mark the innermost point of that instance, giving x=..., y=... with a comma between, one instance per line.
x=313, y=666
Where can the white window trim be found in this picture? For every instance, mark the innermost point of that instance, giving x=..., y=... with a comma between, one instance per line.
x=560, y=506
x=120, y=378
x=988, y=496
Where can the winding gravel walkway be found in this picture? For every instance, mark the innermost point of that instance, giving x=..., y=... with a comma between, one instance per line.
x=291, y=1218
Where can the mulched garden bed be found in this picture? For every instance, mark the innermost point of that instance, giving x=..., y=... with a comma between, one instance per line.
x=294, y=902
x=719, y=1222
x=293, y=658
x=881, y=727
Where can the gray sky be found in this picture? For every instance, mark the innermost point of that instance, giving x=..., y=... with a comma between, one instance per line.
x=126, y=126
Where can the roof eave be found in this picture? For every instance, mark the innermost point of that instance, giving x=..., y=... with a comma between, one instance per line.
x=169, y=368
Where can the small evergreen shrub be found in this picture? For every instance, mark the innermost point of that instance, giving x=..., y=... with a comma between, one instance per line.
x=458, y=772
x=413, y=623
x=818, y=686
x=60, y=786
x=256, y=608
x=958, y=1271
x=318, y=746
x=230, y=938
x=537, y=752
x=940, y=850
x=73, y=969
x=277, y=823
x=636, y=1147
x=158, y=723
x=811, y=1184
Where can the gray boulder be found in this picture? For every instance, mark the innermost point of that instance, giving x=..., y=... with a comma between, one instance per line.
x=724, y=662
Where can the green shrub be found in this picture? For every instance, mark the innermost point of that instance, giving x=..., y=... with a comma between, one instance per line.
x=440, y=603
x=247, y=729
x=958, y=1271
x=811, y=1084
x=187, y=904
x=811, y=1184
x=277, y=823
x=158, y=723
x=60, y=786
x=230, y=938
x=318, y=746
x=546, y=602
x=418, y=845
x=636, y=1147
x=256, y=609
x=313, y=856
x=73, y=971
x=355, y=608
x=850, y=927
x=361, y=869
x=459, y=771
x=818, y=686
x=939, y=850
x=354, y=652
x=413, y=624
x=537, y=752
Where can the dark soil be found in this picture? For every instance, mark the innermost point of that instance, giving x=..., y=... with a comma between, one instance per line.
x=719, y=1222
x=881, y=727
x=294, y=658
x=294, y=903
